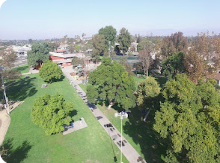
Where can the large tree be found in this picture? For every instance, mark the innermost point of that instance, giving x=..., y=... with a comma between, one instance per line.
x=51, y=112
x=109, y=33
x=98, y=42
x=173, y=44
x=50, y=72
x=111, y=82
x=39, y=53
x=189, y=121
x=203, y=58
x=146, y=60
x=173, y=64
x=124, y=39
x=8, y=58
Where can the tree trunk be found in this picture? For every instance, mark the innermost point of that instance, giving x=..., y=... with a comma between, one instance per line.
x=146, y=115
x=110, y=105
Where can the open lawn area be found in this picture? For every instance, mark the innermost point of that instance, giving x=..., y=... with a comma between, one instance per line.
x=23, y=69
x=27, y=142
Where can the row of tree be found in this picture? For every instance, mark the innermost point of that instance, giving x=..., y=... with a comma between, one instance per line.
x=200, y=56
x=104, y=41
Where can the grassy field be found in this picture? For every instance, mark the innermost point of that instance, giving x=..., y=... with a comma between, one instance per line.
x=138, y=79
x=23, y=69
x=28, y=143
x=139, y=134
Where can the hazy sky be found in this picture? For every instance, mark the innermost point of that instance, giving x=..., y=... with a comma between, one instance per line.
x=40, y=19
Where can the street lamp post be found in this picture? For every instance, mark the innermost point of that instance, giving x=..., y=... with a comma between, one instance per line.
x=121, y=115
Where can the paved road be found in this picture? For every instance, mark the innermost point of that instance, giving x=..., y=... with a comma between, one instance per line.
x=129, y=152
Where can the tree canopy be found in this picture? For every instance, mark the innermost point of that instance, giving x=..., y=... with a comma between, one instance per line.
x=109, y=33
x=111, y=82
x=50, y=72
x=76, y=61
x=173, y=64
x=173, y=44
x=8, y=58
x=51, y=112
x=189, y=121
x=147, y=91
x=124, y=40
x=98, y=42
x=39, y=53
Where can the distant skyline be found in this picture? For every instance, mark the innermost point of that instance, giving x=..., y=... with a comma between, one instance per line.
x=46, y=19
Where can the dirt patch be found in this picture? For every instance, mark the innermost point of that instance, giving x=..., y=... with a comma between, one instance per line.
x=0, y=122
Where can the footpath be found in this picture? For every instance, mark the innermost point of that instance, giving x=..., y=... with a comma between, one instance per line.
x=129, y=152
x=4, y=124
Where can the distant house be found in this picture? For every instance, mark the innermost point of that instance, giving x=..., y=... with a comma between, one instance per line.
x=66, y=59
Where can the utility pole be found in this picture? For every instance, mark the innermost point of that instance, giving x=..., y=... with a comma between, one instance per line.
x=3, y=85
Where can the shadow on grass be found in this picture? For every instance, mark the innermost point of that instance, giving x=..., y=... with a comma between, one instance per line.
x=20, y=89
x=143, y=134
x=73, y=113
x=15, y=155
x=61, y=79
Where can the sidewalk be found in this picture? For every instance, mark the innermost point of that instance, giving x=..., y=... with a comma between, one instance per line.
x=4, y=124
x=31, y=71
x=129, y=152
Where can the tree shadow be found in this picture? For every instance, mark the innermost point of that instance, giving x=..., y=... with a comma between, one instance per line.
x=73, y=113
x=161, y=81
x=20, y=89
x=15, y=155
x=58, y=80
x=143, y=134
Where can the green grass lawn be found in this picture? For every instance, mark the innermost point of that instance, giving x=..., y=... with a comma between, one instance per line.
x=27, y=142
x=23, y=69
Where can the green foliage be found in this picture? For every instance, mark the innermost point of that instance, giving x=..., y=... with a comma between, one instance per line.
x=147, y=91
x=145, y=43
x=173, y=65
x=189, y=120
x=77, y=48
x=39, y=53
x=98, y=42
x=124, y=40
x=51, y=112
x=50, y=72
x=109, y=33
x=92, y=93
x=76, y=61
x=113, y=84
x=51, y=46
